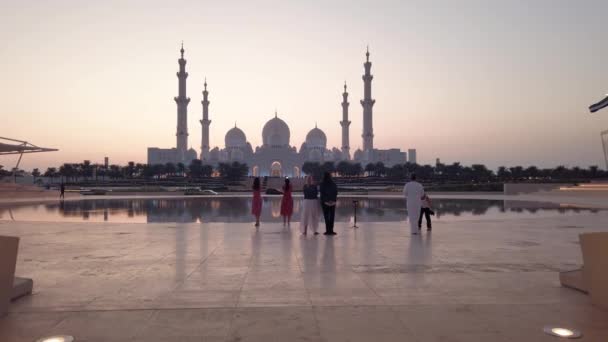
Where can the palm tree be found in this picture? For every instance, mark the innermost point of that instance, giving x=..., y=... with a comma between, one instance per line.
x=35, y=174
x=170, y=169
x=51, y=173
x=311, y=168
x=86, y=170
x=480, y=173
x=532, y=172
x=115, y=172
x=356, y=169
x=67, y=171
x=370, y=169
x=328, y=166
x=207, y=170
x=397, y=171
x=342, y=168
x=196, y=168
x=380, y=169
x=517, y=172
x=181, y=169
x=503, y=173
x=158, y=170
x=593, y=171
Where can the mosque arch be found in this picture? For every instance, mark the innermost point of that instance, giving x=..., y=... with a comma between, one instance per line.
x=255, y=171
x=297, y=172
x=276, y=169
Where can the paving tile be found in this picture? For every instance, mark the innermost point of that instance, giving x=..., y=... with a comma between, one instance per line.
x=183, y=324
x=274, y=324
x=103, y=325
x=17, y=327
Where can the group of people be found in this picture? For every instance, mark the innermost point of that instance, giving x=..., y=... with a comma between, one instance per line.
x=323, y=196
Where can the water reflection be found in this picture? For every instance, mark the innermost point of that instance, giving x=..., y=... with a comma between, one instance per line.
x=237, y=209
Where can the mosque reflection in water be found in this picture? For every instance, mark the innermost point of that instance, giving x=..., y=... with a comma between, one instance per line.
x=237, y=209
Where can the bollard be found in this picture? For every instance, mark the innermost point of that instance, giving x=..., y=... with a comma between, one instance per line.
x=355, y=202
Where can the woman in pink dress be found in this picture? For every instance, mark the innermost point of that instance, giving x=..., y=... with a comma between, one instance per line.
x=256, y=203
x=287, y=203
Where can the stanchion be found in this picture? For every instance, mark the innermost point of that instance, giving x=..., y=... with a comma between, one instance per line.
x=355, y=203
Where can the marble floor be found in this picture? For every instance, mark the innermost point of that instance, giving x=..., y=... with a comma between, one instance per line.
x=476, y=280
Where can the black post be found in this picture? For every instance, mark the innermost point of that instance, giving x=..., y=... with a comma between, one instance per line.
x=355, y=202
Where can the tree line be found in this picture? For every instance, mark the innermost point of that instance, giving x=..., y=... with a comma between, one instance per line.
x=86, y=171
x=455, y=172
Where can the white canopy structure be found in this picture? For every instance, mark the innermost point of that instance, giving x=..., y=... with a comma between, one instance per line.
x=20, y=147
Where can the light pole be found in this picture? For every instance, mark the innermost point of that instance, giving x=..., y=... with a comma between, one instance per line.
x=603, y=135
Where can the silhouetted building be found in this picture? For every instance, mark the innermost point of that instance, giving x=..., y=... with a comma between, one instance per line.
x=411, y=155
x=276, y=156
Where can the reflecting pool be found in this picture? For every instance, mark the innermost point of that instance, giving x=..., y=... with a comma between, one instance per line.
x=237, y=209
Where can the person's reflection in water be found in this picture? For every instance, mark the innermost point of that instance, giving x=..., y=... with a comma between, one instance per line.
x=309, y=250
x=181, y=250
x=328, y=265
x=256, y=247
x=420, y=252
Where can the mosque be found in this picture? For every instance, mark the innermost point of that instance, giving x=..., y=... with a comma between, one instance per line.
x=276, y=157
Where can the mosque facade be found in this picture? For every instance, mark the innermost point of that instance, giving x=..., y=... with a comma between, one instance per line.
x=276, y=157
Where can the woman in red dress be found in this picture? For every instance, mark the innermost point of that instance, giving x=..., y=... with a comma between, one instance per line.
x=287, y=203
x=256, y=203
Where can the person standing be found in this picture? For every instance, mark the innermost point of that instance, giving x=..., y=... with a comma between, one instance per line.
x=329, y=196
x=62, y=191
x=413, y=192
x=287, y=203
x=256, y=203
x=426, y=211
x=310, y=213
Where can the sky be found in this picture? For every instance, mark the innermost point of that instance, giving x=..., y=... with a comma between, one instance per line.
x=492, y=82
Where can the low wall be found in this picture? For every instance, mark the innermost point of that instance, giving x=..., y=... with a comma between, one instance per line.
x=527, y=188
x=8, y=260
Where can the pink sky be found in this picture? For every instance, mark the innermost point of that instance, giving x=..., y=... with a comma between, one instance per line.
x=475, y=82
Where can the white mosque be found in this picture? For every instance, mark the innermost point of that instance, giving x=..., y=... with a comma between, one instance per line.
x=276, y=157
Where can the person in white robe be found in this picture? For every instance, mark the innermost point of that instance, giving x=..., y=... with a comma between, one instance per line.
x=413, y=192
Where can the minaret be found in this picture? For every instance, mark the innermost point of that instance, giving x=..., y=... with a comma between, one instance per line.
x=345, y=126
x=205, y=123
x=182, y=109
x=368, y=104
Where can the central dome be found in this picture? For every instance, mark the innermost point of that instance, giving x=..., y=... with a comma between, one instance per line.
x=316, y=138
x=235, y=137
x=275, y=133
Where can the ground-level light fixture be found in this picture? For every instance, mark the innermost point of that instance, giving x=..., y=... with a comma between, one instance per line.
x=57, y=338
x=562, y=332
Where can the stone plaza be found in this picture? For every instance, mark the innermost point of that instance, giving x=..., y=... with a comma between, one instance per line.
x=480, y=279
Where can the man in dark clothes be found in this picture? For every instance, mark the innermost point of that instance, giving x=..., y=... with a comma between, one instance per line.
x=62, y=191
x=329, y=195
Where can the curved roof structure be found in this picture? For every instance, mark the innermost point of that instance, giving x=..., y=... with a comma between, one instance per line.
x=235, y=137
x=275, y=132
x=316, y=138
x=14, y=146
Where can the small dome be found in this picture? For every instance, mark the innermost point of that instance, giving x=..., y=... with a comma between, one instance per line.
x=316, y=138
x=235, y=137
x=276, y=133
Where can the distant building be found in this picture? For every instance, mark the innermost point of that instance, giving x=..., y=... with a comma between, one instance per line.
x=106, y=162
x=412, y=156
x=276, y=156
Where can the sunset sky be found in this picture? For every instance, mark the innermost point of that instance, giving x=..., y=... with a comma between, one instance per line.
x=494, y=82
